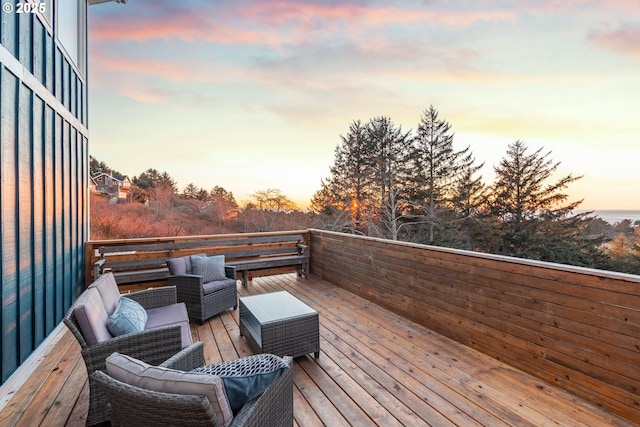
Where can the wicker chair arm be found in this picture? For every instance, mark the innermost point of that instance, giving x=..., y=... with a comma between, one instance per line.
x=188, y=359
x=185, y=280
x=152, y=346
x=134, y=406
x=155, y=297
x=274, y=407
x=230, y=271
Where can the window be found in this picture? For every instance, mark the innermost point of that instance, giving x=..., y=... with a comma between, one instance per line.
x=71, y=30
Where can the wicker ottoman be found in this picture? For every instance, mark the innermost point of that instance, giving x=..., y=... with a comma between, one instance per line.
x=280, y=324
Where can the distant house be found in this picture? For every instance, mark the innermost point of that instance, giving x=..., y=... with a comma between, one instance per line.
x=108, y=184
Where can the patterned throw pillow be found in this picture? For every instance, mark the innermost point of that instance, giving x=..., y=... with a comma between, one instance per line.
x=210, y=268
x=247, y=377
x=128, y=317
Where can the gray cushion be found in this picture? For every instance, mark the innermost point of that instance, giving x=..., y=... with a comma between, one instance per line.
x=246, y=378
x=109, y=292
x=178, y=266
x=181, y=265
x=92, y=317
x=210, y=268
x=137, y=373
x=211, y=287
x=128, y=317
x=174, y=314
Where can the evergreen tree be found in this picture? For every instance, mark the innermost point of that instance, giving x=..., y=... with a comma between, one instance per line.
x=347, y=193
x=532, y=219
x=96, y=167
x=438, y=171
x=389, y=161
x=190, y=191
x=468, y=201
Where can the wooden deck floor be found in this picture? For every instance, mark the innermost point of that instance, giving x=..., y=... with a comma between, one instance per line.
x=375, y=368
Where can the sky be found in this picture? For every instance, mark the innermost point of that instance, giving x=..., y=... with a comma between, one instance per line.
x=252, y=95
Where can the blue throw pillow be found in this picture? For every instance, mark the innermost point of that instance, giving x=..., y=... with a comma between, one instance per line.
x=246, y=378
x=210, y=268
x=128, y=317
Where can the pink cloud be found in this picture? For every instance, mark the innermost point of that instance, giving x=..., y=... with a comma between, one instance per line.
x=273, y=23
x=175, y=71
x=625, y=40
x=166, y=69
x=185, y=25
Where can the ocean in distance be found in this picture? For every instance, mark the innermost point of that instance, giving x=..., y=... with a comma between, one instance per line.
x=614, y=216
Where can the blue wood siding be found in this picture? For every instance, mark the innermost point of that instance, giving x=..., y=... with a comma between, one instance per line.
x=44, y=178
x=8, y=236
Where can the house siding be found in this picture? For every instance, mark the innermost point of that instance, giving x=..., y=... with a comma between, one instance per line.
x=44, y=174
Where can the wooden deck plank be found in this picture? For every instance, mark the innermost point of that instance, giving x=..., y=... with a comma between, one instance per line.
x=375, y=368
x=23, y=397
x=303, y=413
x=360, y=396
x=389, y=358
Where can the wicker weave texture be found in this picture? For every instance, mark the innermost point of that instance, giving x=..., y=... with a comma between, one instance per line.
x=200, y=306
x=291, y=336
x=152, y=346
x=133, y=406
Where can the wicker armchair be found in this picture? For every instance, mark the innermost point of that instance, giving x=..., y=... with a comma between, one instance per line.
x=151, y=346
x=202, y=303
x=134, y=406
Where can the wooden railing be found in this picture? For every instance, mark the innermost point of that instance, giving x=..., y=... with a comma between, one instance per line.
x=143, y=253
x=575, y=328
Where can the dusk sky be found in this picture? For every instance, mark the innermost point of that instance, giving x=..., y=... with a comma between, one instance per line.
x=250, y=95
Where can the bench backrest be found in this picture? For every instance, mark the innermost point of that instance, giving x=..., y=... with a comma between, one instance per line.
x=145, y=256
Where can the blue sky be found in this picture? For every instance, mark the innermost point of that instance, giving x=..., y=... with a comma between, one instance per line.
x=250, y=95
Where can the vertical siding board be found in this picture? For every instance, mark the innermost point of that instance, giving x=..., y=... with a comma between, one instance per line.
x=49, y=222
x=66, y=214
x=25, y=40
x=81, y=213
x=73, y=83
x=57, y=74
x=9, y=34
x=58, y=220
x=39, y=302
x=38, y=52
x=82, y=106
x=49, y=63
x=66, y=86
x=73, y=219
x=24, y=196
x=8, y=264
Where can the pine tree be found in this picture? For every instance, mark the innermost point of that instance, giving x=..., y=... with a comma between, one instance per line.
x=390, y=172
x=346, y=194
x=530, y=216
x=468, y=199
x=438, y=169
x=190, y=191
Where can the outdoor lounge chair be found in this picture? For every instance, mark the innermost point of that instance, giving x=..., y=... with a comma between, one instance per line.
x=142, y=405
x=206, y=287
x=165, y=333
